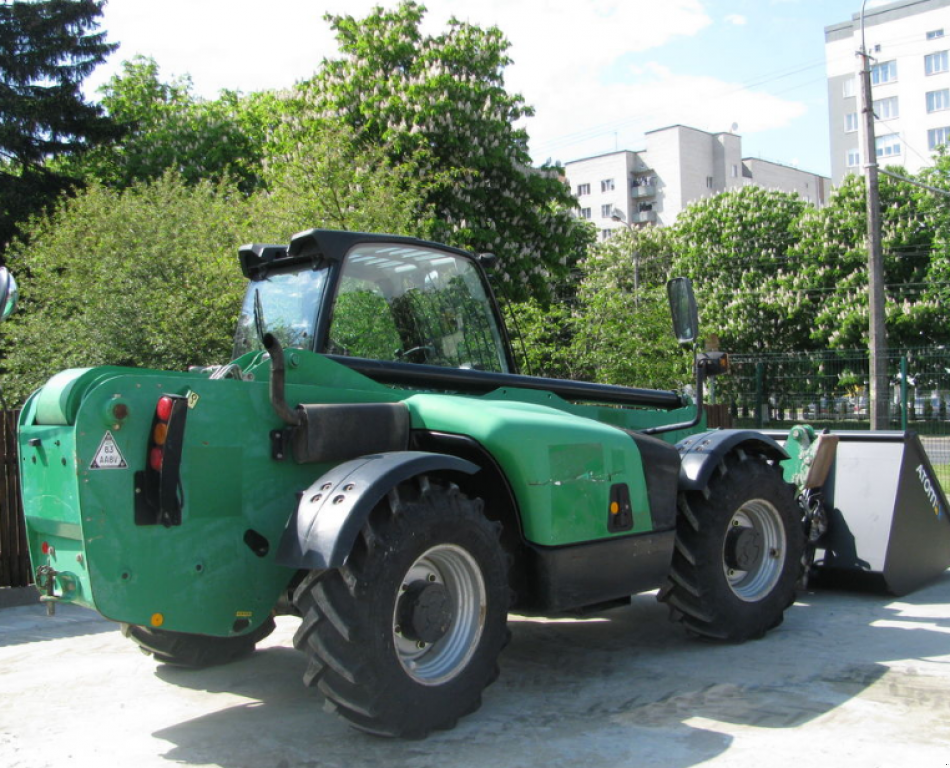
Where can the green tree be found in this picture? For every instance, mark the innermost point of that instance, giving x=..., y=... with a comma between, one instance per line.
x=319, y=175
x=166, y=127
x=47, y=48
x=735, y=247
x=832, y=261
x=930, y=320
x=542, y=336
x=439, y=102
x=625, y=335
x=616, y=327
x=148, y=275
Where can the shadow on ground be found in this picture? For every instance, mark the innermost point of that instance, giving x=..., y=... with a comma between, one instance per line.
x=30, y=623
x=621, y=687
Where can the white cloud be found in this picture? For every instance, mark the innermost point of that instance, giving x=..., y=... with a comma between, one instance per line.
x=566, y=59
x=736, y=19
x=616, y=116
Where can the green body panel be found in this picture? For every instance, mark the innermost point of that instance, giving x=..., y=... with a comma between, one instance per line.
x=59, y=399
x=560, y=466
x=560, y=459
x=200, y=576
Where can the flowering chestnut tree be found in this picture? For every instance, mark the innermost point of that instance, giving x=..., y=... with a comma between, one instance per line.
x=735, y=247
x=439, y=102
x=832, y=260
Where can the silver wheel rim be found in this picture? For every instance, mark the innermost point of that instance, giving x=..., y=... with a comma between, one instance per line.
x=456, y=570
x=760, y=578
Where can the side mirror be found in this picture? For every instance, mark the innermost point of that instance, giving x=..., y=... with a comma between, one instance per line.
x=8, y=293
x=683, y=308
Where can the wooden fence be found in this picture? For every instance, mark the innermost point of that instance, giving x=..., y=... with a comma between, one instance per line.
x=14, y=558
x=718, y=416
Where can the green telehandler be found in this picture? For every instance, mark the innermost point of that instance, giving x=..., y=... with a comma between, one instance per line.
x=371, y=461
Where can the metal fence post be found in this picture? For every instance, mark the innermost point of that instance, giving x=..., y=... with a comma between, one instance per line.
x=904, y=393
x=759, y=394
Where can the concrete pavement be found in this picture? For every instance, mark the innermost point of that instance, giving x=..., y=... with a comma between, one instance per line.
x=848, y=680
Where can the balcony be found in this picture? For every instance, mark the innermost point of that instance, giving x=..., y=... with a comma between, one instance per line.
x=643, y=217
x=639, y=191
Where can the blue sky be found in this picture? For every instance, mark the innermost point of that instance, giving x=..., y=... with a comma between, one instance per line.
x=599, y=73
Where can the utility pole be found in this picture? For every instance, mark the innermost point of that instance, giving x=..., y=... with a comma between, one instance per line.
x=879, y=395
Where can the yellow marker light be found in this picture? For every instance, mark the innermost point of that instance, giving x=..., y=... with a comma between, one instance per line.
x=614, y=508
x=160, y=433
x=157, y=619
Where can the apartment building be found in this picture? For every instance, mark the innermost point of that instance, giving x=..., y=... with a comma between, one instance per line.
x=909, y=43
x=679, y=165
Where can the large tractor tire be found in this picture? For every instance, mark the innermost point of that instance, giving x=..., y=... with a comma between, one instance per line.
x=404, y=638
x=180, y=649
x=738, y=552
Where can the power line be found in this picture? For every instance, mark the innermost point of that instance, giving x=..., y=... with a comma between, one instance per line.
x=727, y=90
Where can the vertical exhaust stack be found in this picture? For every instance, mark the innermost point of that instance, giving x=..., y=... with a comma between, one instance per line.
x=278, y=373
x=889, y=522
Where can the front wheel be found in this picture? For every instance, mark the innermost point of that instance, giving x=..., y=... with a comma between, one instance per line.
x=738, y=553
x=180, y=649
x=405, y=636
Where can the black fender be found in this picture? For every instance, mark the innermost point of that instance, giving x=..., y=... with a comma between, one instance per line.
x=324, y=526
x=700, y=454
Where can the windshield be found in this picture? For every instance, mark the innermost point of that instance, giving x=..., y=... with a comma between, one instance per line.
x=288, y=304
x=417, y=305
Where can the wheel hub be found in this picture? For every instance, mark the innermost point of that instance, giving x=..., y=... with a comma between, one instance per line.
x=743, y=548
x=425, y=611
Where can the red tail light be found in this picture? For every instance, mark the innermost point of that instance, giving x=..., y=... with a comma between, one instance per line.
x=164, y=408
x=158, y=495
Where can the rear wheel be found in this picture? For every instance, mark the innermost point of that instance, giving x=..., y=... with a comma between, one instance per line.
x=405, y=636
x=181, y=649
x=738, y=552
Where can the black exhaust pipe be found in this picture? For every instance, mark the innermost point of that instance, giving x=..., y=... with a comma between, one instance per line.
x=277, y=378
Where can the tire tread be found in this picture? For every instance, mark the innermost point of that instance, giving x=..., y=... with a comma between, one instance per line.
x=337, y=632
x=697, y=592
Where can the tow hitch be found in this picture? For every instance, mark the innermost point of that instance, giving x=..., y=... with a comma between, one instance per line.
x=45, y=580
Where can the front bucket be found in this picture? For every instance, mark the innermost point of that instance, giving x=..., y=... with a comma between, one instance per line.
x=888, y=523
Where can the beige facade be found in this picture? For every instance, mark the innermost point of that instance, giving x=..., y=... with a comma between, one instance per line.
x=679, y=165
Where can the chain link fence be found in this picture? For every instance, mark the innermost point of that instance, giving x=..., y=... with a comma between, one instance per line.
x=829, y=389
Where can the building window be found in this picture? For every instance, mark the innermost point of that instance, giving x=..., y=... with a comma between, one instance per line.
x=935, y=63
x=854, y=158
x=888, y=146
x=934, y=34
x=937, y=136
x=585, y=213
x=851, y=122
x=885, y=72
x=583, y=189
x=735, y=171
x=607, y=185
x=606, y=234
x=938, y=100
x=709, y=182
x=886, y=109
x=850, y=87
x=606, y=210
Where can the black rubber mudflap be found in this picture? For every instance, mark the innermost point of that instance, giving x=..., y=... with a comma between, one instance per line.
x=890, y=522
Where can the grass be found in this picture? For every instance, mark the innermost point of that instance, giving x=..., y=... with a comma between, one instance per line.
x=943, y=475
